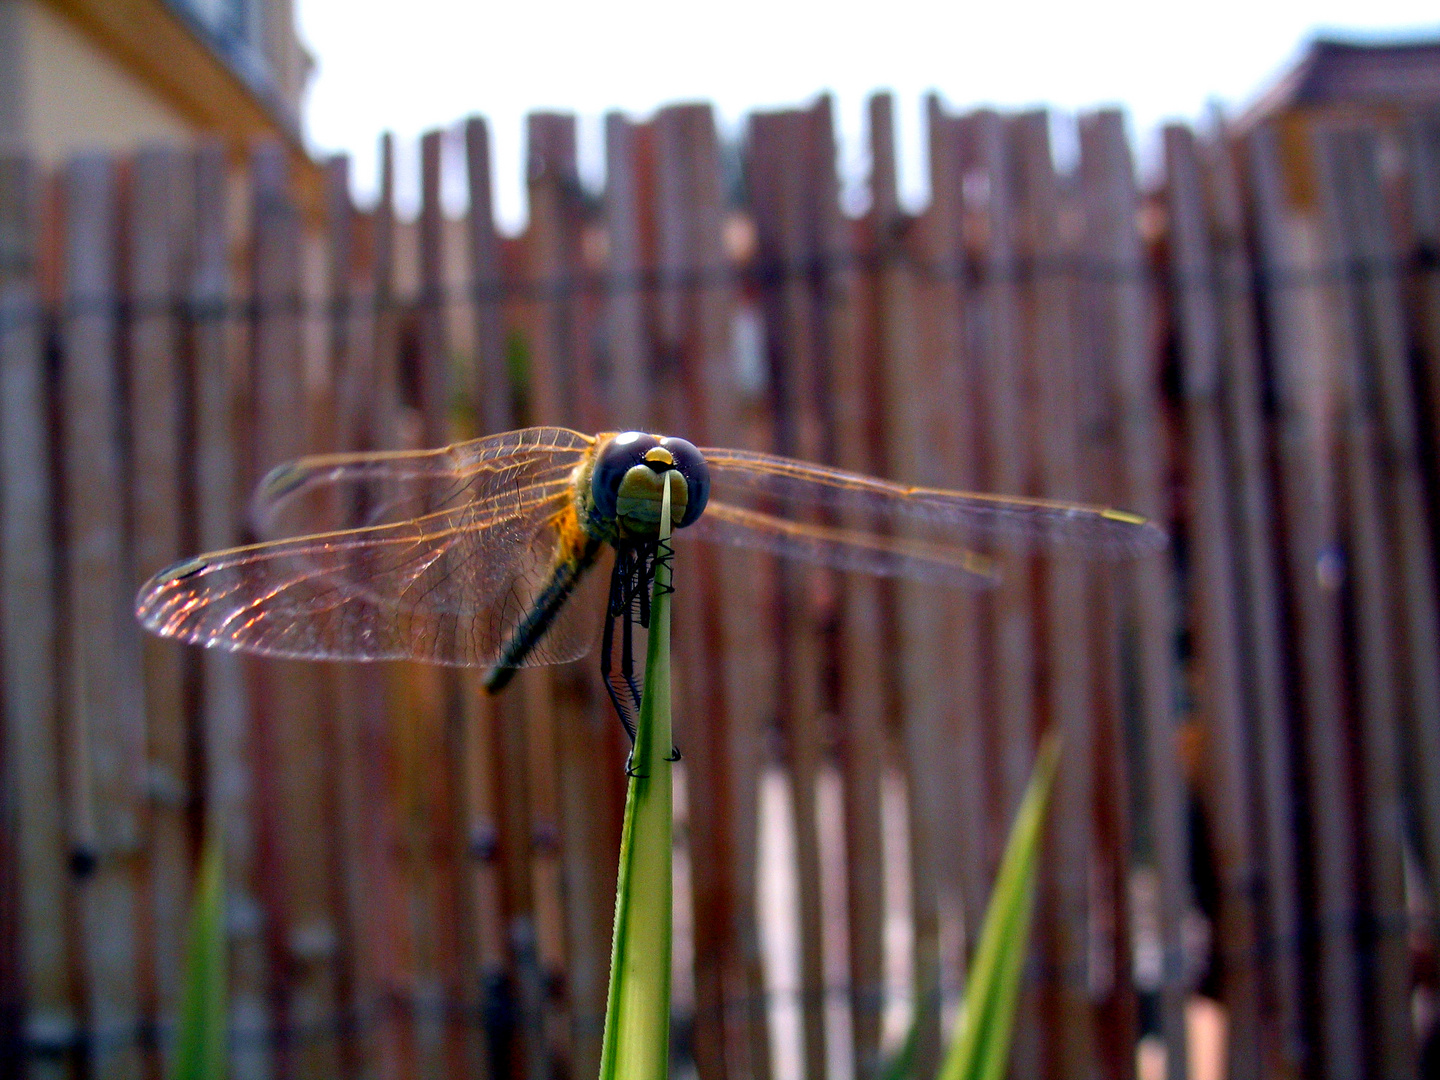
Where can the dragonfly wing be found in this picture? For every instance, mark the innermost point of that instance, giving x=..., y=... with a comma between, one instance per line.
x=448, y=586
x=767, y=482
x=842, y=549
x=509, y=471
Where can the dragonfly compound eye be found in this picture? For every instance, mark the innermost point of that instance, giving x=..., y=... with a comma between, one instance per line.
x=690, y=464
x=628, y=482
x=620, y=455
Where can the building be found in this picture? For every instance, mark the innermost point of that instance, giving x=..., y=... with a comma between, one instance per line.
x=1370, y=78
x=116, y=74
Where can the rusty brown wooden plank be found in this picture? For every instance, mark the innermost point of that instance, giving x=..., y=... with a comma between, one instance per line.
x=355, y=981
x=719, y=724
x=1121, y=292
x=922, y=700
x=447, y=924
x=385, y=418
x=493, y=402
x=1066, y=704
x=1263, y=673
x=853, y=390
x=1423, y=157
x=434, y=345
x=1110, y=924
x=591, y=794
x=218, y=507
x=491, y=377
x=293, y=784
x=364, y=825
x=733, y=412
x=776, y=175
x=29, y=634
x=1007, y=453
x=1393, y=585
x=380, y=428
x=693, y=331
x=159, y=212
x=736, y=745
x=552, y=700
x=953, y=371
x=103, y=708
x=629, y=388
x=1422, y=145
x=1219, y=687
x=1286, y=254
x=1423, y=153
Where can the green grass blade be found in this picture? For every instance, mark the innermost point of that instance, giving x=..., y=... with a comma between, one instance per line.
x=637, y=1014
x=980, y=1048
x=200, y=1054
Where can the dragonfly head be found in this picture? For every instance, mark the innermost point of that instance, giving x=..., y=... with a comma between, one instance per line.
x=628, y=482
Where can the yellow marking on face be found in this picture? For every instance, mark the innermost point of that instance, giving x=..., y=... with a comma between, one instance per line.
x=660, y=454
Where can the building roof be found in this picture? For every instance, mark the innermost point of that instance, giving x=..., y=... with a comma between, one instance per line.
x=1364, y=73
x=187, y=64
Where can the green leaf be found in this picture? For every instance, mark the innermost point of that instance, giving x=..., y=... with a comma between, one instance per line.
x=980, y=1048
x=637, y=1014
x=200, y=1054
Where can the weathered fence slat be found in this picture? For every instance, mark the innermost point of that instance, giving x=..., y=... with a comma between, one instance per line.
x=1008, y=446
x=491, y=377
x=777, y=178
x=103, y=706
x=920, y=699
x=439, y=748
x=29, y=635
x=292, y=783
x=1423, y=159
x=963, y=851
x=689, y=218
x=384, y=426
x=1310, y=548
x=225, y=715
x=1218, y=683
x=1261, y=656
x=1067, y=703
x=158, y=226
x=359, y=890
x=1384, y=510
x=552, y=698
x=1119, y=264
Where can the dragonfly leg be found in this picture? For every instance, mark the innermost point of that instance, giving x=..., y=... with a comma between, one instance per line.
x=627, y=672
x=627, y=659
x=607, y=647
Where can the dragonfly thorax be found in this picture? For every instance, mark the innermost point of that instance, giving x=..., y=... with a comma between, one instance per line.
x=621, y=495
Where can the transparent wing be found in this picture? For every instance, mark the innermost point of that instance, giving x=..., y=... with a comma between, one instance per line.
x=497, y=473
x=447, y=586
x=842, y=549
x=767, y=482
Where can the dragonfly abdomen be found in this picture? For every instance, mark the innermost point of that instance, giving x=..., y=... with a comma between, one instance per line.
x=565, y=575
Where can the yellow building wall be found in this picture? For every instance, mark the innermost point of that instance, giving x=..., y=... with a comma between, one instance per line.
x=74, y=97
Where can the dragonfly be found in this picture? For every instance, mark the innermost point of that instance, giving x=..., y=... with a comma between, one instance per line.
x=473, y=555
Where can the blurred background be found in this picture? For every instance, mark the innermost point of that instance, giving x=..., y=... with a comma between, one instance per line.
x=1185, y=262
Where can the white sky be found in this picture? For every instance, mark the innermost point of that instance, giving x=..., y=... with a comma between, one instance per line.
x=426, y=63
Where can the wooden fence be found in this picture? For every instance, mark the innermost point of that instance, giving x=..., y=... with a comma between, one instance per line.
x=421, y=878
